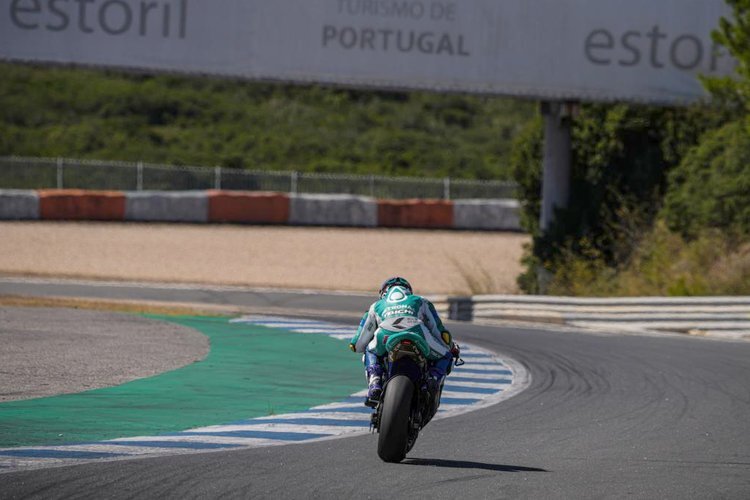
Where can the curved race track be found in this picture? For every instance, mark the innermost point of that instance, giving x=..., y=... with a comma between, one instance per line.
x=605, y=416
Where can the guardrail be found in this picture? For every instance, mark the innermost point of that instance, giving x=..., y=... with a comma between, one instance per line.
x=64, y=173
x=713, y=316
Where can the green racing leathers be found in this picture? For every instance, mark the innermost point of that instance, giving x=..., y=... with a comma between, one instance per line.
x=418, y=315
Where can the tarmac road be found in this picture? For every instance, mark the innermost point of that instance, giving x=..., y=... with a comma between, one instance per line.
x=256, y=299
x=604, y=417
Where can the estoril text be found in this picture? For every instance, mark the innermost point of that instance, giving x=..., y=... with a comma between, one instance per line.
x=165, y=18
x=653, y=47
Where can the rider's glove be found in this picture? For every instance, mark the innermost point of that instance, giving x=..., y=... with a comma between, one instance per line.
x=455, y=350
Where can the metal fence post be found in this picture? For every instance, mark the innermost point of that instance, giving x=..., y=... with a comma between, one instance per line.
x=139, y=176
x=447, y=188
x=217, y=177
x=372, y=186
x=59, y=173
x=293, y=180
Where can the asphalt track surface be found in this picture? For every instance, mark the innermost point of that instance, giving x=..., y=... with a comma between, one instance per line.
x=604, y=417
x=255, y=299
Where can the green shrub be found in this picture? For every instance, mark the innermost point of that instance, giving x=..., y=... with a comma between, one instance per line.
x=711, y=187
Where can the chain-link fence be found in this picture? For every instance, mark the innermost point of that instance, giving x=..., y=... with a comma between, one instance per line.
x=42, y=173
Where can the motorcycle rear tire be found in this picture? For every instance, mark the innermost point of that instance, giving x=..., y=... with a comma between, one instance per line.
x=394, y=420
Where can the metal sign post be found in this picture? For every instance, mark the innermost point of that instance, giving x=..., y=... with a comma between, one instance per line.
x=556, y=162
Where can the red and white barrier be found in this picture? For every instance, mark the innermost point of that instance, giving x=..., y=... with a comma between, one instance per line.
x=251, y=207
x=17, y=204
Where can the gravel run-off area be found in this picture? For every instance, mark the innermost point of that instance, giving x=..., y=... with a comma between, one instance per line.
x=45, y=351
x=353, y=259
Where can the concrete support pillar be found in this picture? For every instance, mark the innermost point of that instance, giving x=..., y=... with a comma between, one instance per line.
x=556, y=164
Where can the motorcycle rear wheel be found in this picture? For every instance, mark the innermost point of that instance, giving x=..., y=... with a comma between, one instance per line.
x=394, y=420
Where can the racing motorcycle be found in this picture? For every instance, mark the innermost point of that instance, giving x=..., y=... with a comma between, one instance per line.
x=407, y=402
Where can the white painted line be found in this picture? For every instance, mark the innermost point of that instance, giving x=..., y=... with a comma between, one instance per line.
x=242, y=441
x=477, y=376
x=342, y=336
x=480, y=385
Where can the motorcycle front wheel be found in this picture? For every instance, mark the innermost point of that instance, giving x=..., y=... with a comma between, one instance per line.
x=394, y=420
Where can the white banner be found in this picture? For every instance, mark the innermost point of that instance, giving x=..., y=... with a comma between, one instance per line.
x=634, y=50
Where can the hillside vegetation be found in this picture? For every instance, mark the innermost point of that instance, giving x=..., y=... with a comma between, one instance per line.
x=200, y=121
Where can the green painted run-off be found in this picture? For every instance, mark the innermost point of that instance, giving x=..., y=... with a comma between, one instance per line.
x=250, y=371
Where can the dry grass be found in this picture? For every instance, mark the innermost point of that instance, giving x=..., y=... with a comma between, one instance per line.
x=478, y=279
x=350, y=259
x=664, y=264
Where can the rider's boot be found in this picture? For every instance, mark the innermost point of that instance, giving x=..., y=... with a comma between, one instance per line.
x=435, y=377
x=374, y=382
x=434, y=380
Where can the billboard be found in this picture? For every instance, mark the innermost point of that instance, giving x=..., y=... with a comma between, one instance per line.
x=639, y=50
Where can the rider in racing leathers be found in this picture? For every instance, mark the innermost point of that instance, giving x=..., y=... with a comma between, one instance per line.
x=398, y=300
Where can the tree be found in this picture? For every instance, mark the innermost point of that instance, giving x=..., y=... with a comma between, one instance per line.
x=711, y=187
x=734, y=34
